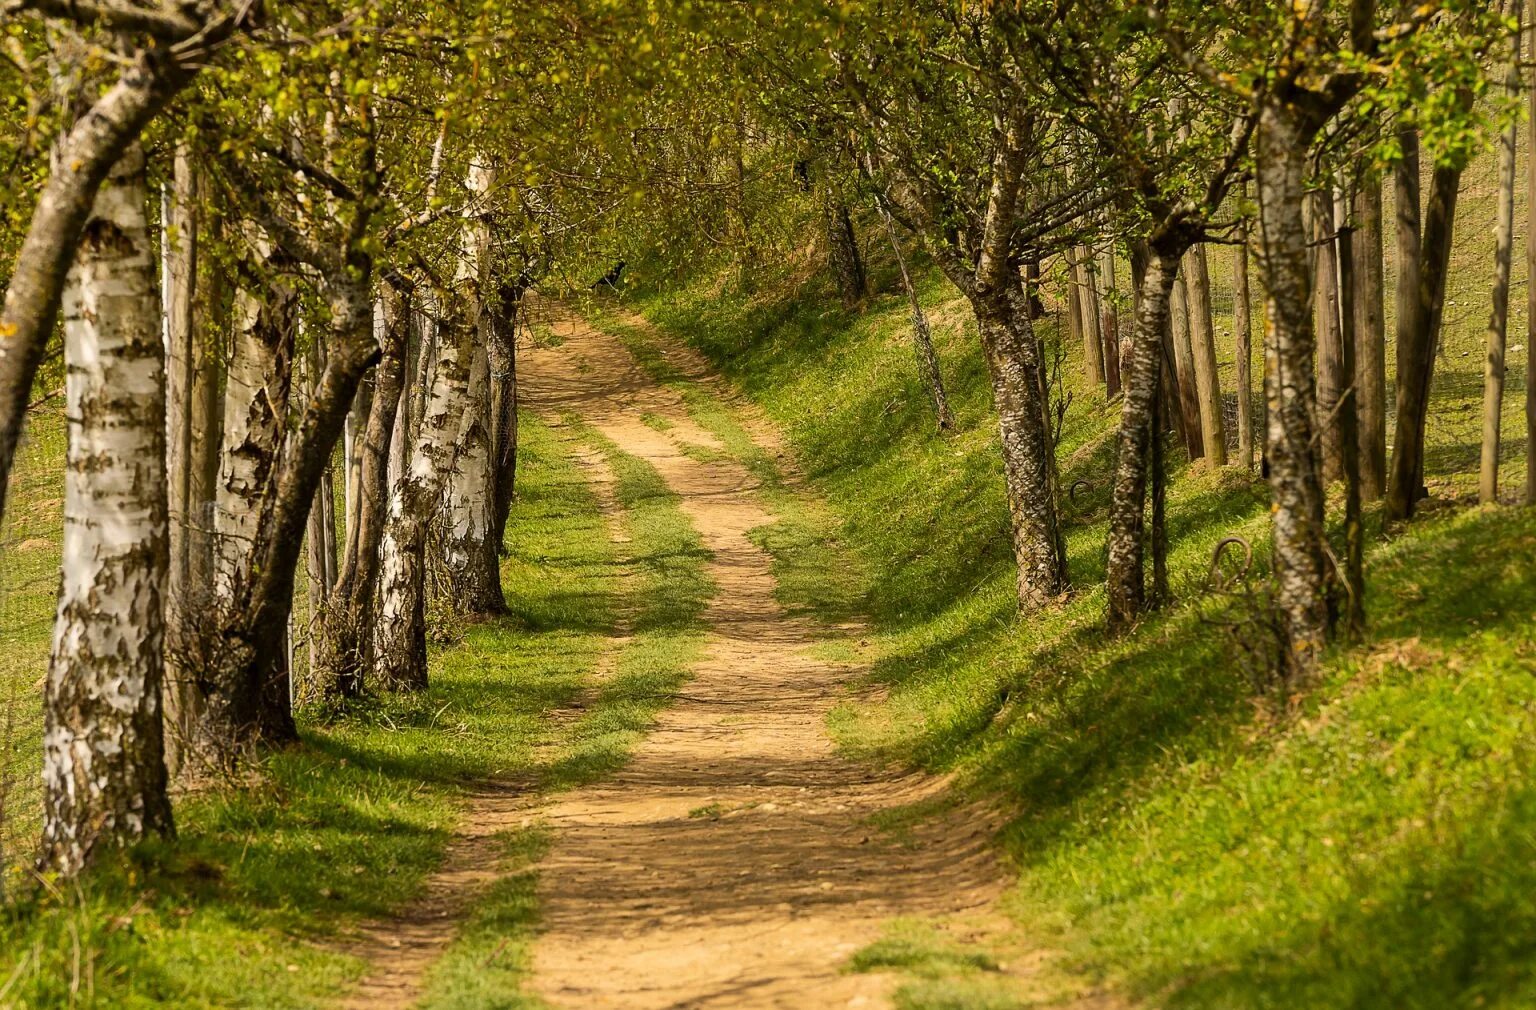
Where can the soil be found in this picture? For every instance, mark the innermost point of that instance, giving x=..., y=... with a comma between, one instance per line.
x=733, y=862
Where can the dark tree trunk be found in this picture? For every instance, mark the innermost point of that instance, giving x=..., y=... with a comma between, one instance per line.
x=1242, y=331
x=1213, y=427
x=1498, y=321
x=843, y=252
x=1087, y=303
x=1530, y=273
x=1349, y=429
x=1416, y=347
x=1405, y=180
x=1184, y=369
x=1370, y=337
x=1109, y=325
x=502, y=350
x=1330, y=357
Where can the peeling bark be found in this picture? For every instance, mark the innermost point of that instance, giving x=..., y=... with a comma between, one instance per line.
x=104, y=771
x=345, y=632
x=471, y=558
x=416, y=446
x=93, y=145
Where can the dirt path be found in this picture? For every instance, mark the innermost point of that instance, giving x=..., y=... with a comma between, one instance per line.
x=731, y=863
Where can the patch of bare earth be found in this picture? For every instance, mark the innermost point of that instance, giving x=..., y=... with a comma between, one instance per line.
x=731, y=863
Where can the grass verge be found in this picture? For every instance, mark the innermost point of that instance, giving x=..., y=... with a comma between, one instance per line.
x=240, y=909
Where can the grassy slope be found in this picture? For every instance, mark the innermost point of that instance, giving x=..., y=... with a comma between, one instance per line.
x=1374, y=845
x=239, y=911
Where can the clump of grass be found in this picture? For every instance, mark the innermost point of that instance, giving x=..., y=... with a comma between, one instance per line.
x=921, y=950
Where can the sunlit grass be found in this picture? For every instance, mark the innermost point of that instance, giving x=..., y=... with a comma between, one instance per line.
x=1368, y=842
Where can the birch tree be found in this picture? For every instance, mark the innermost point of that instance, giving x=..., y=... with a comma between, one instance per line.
x=103, y=760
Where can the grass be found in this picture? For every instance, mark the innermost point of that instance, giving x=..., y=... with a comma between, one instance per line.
x=244, y=906
x=29, y=585
x=1369, y=843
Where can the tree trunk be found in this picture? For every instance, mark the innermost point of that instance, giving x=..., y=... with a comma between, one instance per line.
x=471, y=558
x=1242, y=331
x=234, y=712
x=1370, y=337
x=1088, y=316
x=355, y=430
x=1498, y=323
x=1295, y=473
x=1330, y=358
x=345, y=634
x=843, y=251
x=922, y=337
x=1213, y=427
x=1530, y=273
x=1109, y=323
x=103, y=762
x=1184, y=369
x=1416, y=347
x=502, y=351
x=185, y=597
x=1405, y=180
x=400, y=639
x=95, y=142
x=1349, y=430
x=1138, y=431
x=258, y=655
x=1014, y=360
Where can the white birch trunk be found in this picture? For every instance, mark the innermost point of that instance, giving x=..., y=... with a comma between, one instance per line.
x=104, y=769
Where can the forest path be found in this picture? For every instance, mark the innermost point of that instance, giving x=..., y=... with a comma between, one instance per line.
x=731, y=863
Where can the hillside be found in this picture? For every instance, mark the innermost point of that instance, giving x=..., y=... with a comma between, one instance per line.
x=1176, y=825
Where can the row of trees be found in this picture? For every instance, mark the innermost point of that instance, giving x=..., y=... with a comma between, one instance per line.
x=1006, y=135
x=257, y=238
x=254, y=238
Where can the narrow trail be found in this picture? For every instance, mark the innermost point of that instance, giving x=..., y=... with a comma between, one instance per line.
x=731, y=863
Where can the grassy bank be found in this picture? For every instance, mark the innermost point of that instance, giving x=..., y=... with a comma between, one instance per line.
x=243, y=908
x=1368, y=843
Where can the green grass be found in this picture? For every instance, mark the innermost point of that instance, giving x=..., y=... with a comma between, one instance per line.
x=242, y=908
x=29, y=586
x=1370, y=842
